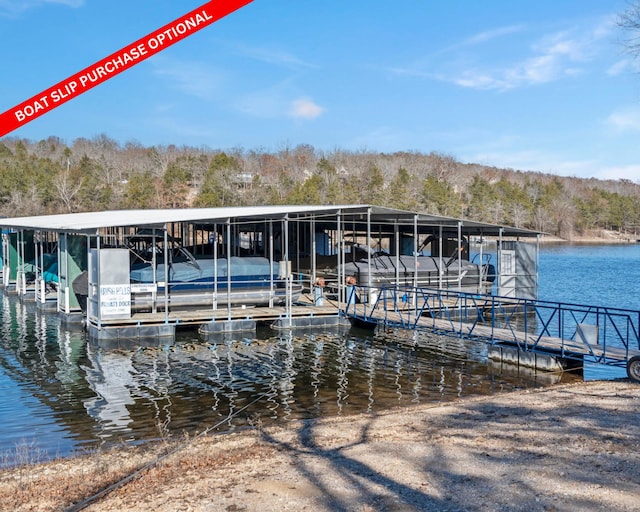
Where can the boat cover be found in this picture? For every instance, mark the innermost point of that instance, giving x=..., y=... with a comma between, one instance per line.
x=185, y=271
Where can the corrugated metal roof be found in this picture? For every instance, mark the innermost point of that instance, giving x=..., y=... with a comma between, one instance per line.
x=90, y=222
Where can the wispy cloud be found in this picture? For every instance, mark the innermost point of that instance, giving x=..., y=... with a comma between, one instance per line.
x=619, y=67
x=174, y=125
x=625, y=119
x=305, y=108
x=550, y=162
x=382, y=138
x=419, y=69
x=624, y=66
x=193, y=78
x=488, y=35
x=269, y=103
x=15, y=7
x=553, y=57
x=535, y=160
x=548, y=58
x=276, y=57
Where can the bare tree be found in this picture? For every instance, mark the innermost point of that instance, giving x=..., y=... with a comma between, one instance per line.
x=66, y=188
x=629, y=21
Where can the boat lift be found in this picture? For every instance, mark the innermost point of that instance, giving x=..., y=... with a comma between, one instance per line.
x=516, y=329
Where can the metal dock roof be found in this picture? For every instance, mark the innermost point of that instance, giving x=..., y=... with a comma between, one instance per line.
x=89, y=222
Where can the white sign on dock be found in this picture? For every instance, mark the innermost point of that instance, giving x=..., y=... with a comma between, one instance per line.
x=109, y=284
x=115, y=300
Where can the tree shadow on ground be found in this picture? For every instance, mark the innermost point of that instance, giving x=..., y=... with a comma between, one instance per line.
x=480, y=456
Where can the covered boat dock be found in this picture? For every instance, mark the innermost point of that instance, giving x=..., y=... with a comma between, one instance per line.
x=139, y=273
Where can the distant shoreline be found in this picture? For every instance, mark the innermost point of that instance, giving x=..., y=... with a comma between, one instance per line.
x=607, y=238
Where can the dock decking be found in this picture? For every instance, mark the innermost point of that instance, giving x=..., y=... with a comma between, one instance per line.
x=197, y=317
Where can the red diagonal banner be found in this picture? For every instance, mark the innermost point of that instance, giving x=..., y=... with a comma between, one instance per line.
x=117, y=62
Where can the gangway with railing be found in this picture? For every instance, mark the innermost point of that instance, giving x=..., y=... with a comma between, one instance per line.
x=602, y=335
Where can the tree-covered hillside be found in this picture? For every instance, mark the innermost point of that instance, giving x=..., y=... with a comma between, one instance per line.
x=50, y=176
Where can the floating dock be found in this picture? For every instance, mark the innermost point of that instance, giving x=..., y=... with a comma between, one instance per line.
x=140, y=273
x=211, y=322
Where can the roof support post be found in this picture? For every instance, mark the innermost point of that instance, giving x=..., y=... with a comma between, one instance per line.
x=229, y=268
x=415, y=251
x=166, y=271
x=396, y=249
x=39, y=283
x=312, y=229
x=20, y=266
x=499, y=262
x=287, y=274
x=214, y=301
x=90, y=304
x=369, y=294
x=459, y=255
x=414, y=295
x=154, y=258
x=271, y=284
x=341, y=259
x=538, y=236
x=481, y=271
x=441, y=272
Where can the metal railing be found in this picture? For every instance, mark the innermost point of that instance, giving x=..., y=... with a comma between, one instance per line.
x=606, y=335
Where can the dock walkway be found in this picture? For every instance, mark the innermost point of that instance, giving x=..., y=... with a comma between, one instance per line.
x=516, y=329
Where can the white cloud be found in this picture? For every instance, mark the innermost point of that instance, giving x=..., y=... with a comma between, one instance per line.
x=275, y=103
x=621, y=172
x=305, y=108
x=625, y=120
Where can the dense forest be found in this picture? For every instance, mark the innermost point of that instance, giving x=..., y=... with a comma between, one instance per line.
x=50, y=176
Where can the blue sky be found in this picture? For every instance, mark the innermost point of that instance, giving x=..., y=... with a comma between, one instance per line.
x=540, y=85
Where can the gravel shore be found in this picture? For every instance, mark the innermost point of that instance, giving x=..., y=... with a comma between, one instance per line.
x=569, y=447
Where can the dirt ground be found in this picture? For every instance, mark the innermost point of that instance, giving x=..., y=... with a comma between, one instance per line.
x=565, y=448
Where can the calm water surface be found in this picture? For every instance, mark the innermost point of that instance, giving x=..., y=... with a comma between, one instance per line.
x=603, y=275
x=60, y=393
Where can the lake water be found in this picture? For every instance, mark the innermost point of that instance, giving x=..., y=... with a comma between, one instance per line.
x=60, y=393
x=604, y=275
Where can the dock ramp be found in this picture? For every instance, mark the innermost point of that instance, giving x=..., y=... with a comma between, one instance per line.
x=569, y=332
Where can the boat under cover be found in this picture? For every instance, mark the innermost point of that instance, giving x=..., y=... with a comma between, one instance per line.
x=200, y=282
x=424, y=271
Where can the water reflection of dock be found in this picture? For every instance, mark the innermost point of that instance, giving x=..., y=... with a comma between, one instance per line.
x=94, y=392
